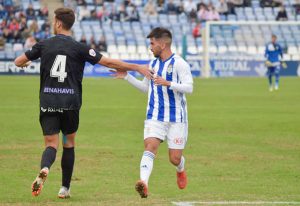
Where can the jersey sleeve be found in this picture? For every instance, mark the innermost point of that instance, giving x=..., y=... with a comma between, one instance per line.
x=90, y=55
x=185, y=77
x=35, y=52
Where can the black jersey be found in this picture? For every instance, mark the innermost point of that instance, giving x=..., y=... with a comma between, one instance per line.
x=62, y=64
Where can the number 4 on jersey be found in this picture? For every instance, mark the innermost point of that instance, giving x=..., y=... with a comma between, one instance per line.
x=59, y=67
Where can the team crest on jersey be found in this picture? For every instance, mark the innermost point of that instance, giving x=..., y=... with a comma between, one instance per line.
x=92, y=52
x=169, y=69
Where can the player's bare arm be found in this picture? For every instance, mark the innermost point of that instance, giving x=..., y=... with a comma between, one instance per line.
x=124, y=66
x=22, y=61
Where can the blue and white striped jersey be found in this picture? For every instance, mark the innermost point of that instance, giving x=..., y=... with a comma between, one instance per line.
x=166, y=103
x=273, y=52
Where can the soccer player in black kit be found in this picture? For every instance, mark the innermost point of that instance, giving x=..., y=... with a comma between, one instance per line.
x=61, y=73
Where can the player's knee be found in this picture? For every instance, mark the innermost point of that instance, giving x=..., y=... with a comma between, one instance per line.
x=69, y=140
x=52, y=144
x=174, y=159
x=151, y=148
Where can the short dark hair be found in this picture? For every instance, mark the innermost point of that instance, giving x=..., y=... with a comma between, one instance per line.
x=274, y=36
x=66, y=16
x=160, y=32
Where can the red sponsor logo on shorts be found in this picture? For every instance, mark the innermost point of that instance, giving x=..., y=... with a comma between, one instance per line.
x=178, y=140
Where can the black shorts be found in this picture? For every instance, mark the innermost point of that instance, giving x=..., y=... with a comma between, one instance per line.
x=52, y=122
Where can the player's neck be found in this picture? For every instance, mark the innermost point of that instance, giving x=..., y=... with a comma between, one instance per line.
x=65, y=32
x=166, y=55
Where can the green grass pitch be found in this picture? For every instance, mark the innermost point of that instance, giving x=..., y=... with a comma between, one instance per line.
x=243, y=144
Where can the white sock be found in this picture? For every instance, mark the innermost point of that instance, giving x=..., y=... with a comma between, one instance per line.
x=146, y=166
x=180, y=167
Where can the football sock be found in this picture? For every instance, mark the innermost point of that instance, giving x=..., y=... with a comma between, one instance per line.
x=180, y=167
x=67, y=165
x=270, y=80
x=277, y=79
x=146, y=166
x=48, y=157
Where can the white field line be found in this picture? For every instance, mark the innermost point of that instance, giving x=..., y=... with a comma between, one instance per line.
x=194, y=203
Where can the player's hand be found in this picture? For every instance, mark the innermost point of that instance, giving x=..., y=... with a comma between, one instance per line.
x=25, y=64
x=268, y=63
x=158, y=80
x=284, y=65
x=118, y=74
x=145, y=71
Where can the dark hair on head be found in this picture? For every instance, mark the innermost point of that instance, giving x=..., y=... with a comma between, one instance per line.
x=66, y=16
x=160, y=32
x=274, y=36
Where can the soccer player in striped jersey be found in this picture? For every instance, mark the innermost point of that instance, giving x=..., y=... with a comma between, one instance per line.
x=273, y=54
x=166, y=118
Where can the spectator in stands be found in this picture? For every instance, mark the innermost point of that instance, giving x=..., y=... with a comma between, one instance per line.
x=222, y=7
x=30, y=13
x=193, y=15
x=266, y=3
x=237, y=3
x=3, y=12
x=83, y=39
x=43, y=34
x=3, y=24
x=197, y=30
x=277, y=3
x=212, y=14
x=247, y=3
x=98, y=2
x=70, y=4
x=134, y=14
x=102, y=46
x=81, y=2
x=180, y=8
x=282, y=15
x=84, y=13
x=23, y=24
x=123, y=15
x=8, y=5
x=271, y=3
x=189, y=6
x=43, y=12
x=171, y=7
x=296, y=5
x=94, y=15
x=102, y=14
x=202, y=13
x=150, y=8
x=201, y=3
x=114, y=15
x=46, y=25
x=14, y=25
x=2, y=43
x=232, y=4
x=92, y=43
x=160, y=3
x=16, y=36
x=30, y=41
x=34, y=27
x=7, y=35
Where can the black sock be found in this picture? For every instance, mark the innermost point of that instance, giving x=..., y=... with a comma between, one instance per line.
x=67, y=164
x=48, y=157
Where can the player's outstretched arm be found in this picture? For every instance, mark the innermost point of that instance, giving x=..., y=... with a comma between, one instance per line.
x=141, y=85
x=124, y=66
x=22, y=61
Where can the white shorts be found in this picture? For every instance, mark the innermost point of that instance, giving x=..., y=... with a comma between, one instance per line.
x=175, y=132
